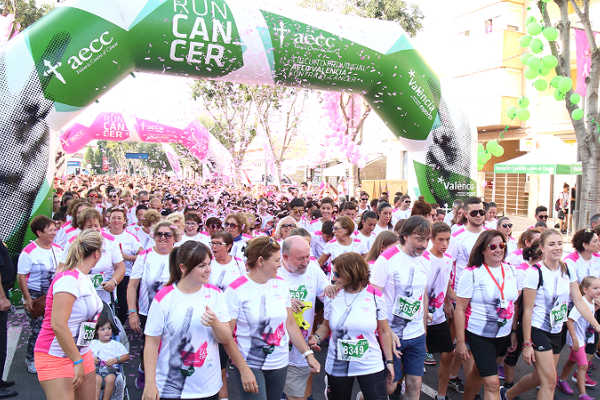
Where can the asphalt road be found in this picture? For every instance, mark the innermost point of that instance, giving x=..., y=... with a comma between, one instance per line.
x=29, y=388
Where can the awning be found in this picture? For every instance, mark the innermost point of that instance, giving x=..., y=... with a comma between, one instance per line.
x=336, y=170
x=543, y=161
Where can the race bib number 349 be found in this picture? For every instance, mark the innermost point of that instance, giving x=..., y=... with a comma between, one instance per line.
x=349, y=350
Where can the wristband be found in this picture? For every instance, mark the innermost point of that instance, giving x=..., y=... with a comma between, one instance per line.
x=391, y=362
x=308, y=353
x=527, y=344
x=115, y=281
x=78, y=361
x=131, y=311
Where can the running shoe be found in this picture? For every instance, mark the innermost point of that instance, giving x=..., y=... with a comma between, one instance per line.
x=564, y=387
x=585, y=397
x=597, y=354
x=456, y=385
x=589, y=382
x=501, y=371
x=359, y=396
x=31, y=367
x=503, y=391
x=429, y=359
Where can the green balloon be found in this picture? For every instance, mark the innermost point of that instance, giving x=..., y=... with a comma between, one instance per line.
x=512, y=113
x=577, y=114
x=480, y=148
x=534, y=28
x=550, y=33
x=530, y=19
x=500, y=151
x=536, y=46
x=523, y=114
x=543, y=71
x=534, y=62
x=549, y=61
x=565, y=84
x=525, y=57
x=540, y=85
x=559, y=95
x=575, y=98
x=525, y=40
x=523, y=102
x=531, y=73
x=554, y=82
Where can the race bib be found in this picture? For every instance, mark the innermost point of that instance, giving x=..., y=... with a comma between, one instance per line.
x=97, y=280
x=407, y=308
x=558, y=314
x=86, y=333
x=351, y=349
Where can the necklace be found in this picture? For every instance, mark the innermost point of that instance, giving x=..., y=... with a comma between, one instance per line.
x=353, y=299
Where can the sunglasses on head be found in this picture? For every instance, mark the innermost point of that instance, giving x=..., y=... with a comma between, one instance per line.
x=493, y=247
x=166, y=235
x=474, y=213
x=507, y=225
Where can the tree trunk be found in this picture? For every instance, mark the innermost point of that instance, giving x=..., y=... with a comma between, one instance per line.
x=278, y=175
x=590, y=182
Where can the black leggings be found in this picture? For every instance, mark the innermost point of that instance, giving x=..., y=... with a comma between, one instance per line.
x=122, y=310
x=372, y=386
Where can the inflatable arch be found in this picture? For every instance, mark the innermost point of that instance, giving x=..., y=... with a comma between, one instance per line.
x=62, y=63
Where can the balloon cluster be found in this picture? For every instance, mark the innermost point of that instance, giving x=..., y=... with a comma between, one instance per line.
x=337, y=139
x=540, y=66
x=485, y=153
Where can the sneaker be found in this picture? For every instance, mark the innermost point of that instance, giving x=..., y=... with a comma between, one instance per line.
x=503, y=390
x=140, y=379
x=589, y=382
x=501, y=372
x=564, y=387
x=31, y=367
x=597, y=354
x=585, y=397
x=429, y=360
x=456, y=385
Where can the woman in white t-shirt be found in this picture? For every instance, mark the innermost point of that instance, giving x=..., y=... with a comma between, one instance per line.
x=188, y=318
x=485, y=307
x=37, y=264
x=284, y=227
x=547, y=291
x=263, y=324
x=360, y=344
x=343, y=242
x=526, y=239
x=584, y=260
x=224, y=268
x=366, y=229
x=72, y=307
x=384, y=221
x=191, y=230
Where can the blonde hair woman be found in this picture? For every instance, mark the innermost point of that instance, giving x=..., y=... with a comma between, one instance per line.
x=64, y=364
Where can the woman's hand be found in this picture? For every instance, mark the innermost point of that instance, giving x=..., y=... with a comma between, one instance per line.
x=297, y=305
x=248, y=380
x=209, y=317
x=78, y=376
x=390, y=374
x=109, y=285
x=111, y=362
x=150, y=392
x=462, y=351
x=513, y=342
x=331, y=291
x=528, y=355
x=314, y=365
x=134, y=322
x=396, y=345
x=313, y=343
x=28, y=305
x=575, y=345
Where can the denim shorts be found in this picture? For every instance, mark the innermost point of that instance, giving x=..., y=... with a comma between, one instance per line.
x=412, y=360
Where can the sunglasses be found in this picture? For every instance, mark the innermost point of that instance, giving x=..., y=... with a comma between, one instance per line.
x=406, y=201
x=288, y=226
x=113, y=196
x=92, y=195
x=230, y=225
x=543, y=216
x=214, y=226
x=364, y=199
x=493, y=247
x=474, y=213
x=166, y=235
x=335, y=274
x=507, y=225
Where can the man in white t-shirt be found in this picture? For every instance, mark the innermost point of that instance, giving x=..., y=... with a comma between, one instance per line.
x=401, y=274
x=306, y=281
x=403, y=209
x=462, y=240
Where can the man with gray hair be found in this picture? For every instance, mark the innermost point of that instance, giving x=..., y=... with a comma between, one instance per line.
x=306, y=282
x=595, y=221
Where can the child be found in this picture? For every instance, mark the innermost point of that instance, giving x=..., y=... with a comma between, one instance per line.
x=108, y=353
x=581, y=340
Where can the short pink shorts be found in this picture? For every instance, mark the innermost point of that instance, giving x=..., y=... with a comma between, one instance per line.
x=51, y=367
x=579, y=357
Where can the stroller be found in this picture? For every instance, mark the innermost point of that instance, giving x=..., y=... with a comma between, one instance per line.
x=120, y=391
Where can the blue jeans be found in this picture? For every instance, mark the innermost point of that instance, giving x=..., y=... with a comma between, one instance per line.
x=270, y=384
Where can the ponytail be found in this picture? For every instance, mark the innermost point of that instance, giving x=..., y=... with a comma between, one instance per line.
x=175, y=271
x=189, y=255
x=82, y=247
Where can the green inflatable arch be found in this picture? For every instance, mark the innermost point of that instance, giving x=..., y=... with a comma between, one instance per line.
x=72, y=56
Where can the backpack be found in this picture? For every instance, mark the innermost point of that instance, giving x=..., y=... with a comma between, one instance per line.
x=541, y=277
x=519, y=301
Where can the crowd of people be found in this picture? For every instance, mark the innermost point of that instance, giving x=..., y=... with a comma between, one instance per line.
x=234, y=290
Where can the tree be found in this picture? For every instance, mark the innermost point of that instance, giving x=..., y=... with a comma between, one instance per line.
x=26, y=13
x=587, y=128
x=286, y=103
x=232, y=107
